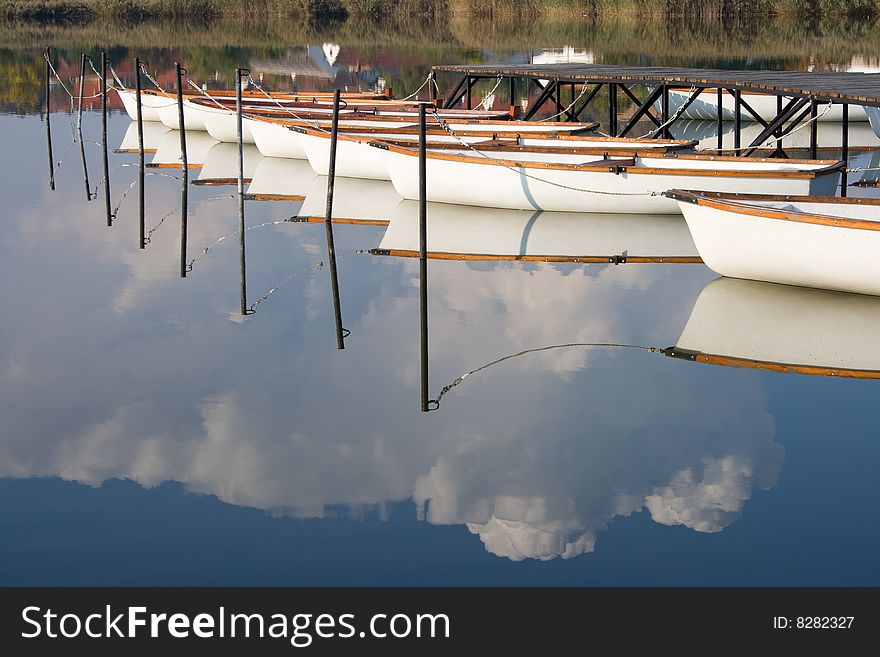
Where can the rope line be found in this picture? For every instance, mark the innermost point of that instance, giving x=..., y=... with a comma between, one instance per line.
x=57, y=77
x=428, y=80
x=485, y=103
x=610, y=345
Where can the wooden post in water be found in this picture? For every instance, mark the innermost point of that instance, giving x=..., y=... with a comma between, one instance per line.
x=181, y=122
x=82, y=77
x=328, y=224
x=104, y=139
x=423, y=261
x=432, y=87
x=844, y=147
x=241, y=225
x=140, y=131
x=48, y=119
x=720, y=117
x=513, y=94
x=737, y=120
x=814, y=129
x=184, y=218
x=85, y=164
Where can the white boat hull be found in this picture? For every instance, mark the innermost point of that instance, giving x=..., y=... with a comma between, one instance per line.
x=474, y=183
x=784, y=328
x=705, y=107
x=192, y=119
x=222, y=124
x=788, y=252
x=150, y=104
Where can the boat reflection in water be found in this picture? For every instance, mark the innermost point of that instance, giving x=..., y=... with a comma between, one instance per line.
x=220, y=166
x=471, y=233
x=198, y=145
x=782, y=328
x=153, y=134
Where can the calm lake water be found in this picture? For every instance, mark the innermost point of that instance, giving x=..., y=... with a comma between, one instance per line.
x=152, y=434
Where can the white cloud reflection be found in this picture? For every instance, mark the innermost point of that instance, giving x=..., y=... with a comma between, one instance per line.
x=119, y=370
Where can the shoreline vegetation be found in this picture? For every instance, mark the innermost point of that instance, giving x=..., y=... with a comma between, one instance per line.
x=80, y=12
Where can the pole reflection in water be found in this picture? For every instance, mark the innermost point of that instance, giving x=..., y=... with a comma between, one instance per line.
x=104, y=138
x=241, y=227
x=423, y=263
x=48, y=121
x=184, y=204
x=140, y=130
x=79, y=136
x=341, y=333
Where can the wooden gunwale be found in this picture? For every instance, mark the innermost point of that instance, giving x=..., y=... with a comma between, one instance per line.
x=832, y=166
x=726, y=202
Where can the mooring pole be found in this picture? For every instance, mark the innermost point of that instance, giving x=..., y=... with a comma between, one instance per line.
x=432, y=87
x=814, y=129
x=140, y=130
x=48, y=123
x=844, y=147
x=737, y=120
x=181, y=123
x=104, y=138
x=82, y=77
x=85, y=165
x=328, y=224
x=241, y=225
x=720, y=116
x=423, y=260
x=612, y=108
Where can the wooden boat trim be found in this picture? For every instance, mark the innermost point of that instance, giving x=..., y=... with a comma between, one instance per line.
x=169, y=165
x=354, y=116
x=217, y=182
x=721, y=202
x=274, y=197
x=587, y=259
x=832, y=166
x=770, y=366
x=311, y=219
x=125, y=151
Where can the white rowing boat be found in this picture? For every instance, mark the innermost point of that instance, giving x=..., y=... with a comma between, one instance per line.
x=780, y=328
x=281, y=138
x=705, y=107
x=357, y=155
x=472, y=233
x=614, y=184
x=151, y=102
x=829, y=135
x=827, y=242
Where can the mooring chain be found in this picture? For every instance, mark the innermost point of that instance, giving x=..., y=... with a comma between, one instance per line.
x=149, y=235
x=57, y=77
x=225, y=237
x=434, y=404
x=520, y=170
x=316, y=267
x=415, y=93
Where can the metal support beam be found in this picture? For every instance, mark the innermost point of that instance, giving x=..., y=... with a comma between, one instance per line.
x=720, y=117
x=457, y=93
x=664, y=105
x=540, y=100
x=643, y=110
x=793, y=107
x=687, y=103
x=587, y=100
x=814, y=129
x=737, y=120
x=612, y=109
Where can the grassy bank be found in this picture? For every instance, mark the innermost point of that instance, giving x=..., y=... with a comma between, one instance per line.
x=83, y=11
